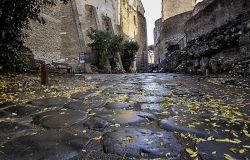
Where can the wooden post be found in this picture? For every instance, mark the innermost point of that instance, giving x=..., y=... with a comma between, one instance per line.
x=207, y=72
x=44, y=74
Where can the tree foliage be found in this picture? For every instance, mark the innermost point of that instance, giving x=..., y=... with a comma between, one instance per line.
x=14, y=18
x=151, y=48
x=115, y=46
x=130, y=48
x=107, y=45
x=100, y=45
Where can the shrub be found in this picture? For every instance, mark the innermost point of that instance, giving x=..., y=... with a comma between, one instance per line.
x=108, y=45
x=130, y=48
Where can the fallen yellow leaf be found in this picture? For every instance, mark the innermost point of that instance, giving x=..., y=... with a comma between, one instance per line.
x=246, y=133
x=236, y=141
x=191, y=152
x=228, y=157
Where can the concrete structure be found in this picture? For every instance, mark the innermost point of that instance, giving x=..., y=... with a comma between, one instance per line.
x=64, y=35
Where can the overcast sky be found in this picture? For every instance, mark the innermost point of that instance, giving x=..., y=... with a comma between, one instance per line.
x=153, y=12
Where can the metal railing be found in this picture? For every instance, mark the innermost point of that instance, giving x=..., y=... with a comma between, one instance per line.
x=182, y=43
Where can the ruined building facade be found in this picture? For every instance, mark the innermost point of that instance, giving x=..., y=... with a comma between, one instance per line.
x=169, y=28
x=212, y=37
x=172, y=8
x=133, y=26
x=64, y=35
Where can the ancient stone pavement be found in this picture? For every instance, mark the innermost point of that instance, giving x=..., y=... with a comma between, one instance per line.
x=132, y=116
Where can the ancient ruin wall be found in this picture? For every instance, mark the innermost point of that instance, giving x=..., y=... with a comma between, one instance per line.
x=64, y=35
x=97, y=14
x=218, y=40
x=57, y=40
x=168, y=33
x=133, y=26
x=214, y=15
x=172, y=8
x=157, y=42
x=142, y=57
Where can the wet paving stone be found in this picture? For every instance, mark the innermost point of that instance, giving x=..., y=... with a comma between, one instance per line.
x=96, y=124
x=9, y=129
x=212, y=150
x=3, y=105
x=146, y=99
x=171, y=125
x=160, y=93
x=53, y=144
x=123, y=91
x=118, y=105
x=132, y=116
x=178, y=110
x=81, y=95
x=3, y=114
x=19, y=111
x=128, y=117
x=59, y=118
x=152, y=86
x=180, y=91
x=151, y=107
x=142, y=143
x=50, y=102
x=76, y=105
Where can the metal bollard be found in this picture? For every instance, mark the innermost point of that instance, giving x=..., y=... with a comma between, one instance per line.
x=44, y=74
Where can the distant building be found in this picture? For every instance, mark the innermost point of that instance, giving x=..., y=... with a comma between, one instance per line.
x=151, y=58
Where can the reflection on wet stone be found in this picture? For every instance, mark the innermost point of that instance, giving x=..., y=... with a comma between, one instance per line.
x=128, y=117
x=142, y=143
x=50, y=102
x=56, y=145
x=59, y=118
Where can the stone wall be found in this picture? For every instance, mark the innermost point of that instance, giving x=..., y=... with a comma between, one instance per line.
x=133, y=26
x=57, y=40
x=157, y=42
x=225, y=49
x=214, y=15
x=157, y=30
x=217, y=40
x=173, y=28
x=172, y=8
x=170, y=32
x=71, y=37
x=200, y=5
x=65, y=33
x=97, y=14
x=142, y=56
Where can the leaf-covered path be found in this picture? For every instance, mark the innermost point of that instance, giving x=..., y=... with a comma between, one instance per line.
x=130, y=116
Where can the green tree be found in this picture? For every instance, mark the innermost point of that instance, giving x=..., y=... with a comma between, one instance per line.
x=14, y=18
x=115, y=47
x=108, y=46
x=100, y=45
x=150, y=48
x=130, y=48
